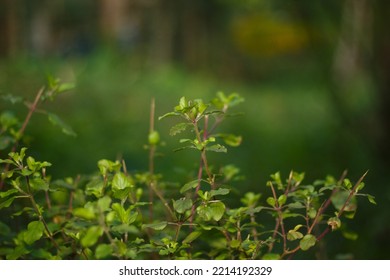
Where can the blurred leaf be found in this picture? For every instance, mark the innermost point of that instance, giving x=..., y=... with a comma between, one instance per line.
x=106, y=166
x=156, y=226
x=350, y=235
x=39, y=184
x=282, y=200
x=170, y=114
x=104, y=203
x=307, y=242
x=8, y=193
x=12, y=98
x=95, y=187
x=271, y=256
x=66, y=129
x=92, y=235
x=34, y=232
x=103, y=251
x=191, y=237
x=190, y=185
x=85, y=213
x=7, y=203
x=271, y=201
x=217, y=148
x=220, y=191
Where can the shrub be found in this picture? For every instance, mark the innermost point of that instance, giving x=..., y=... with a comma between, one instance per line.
x=115, y=214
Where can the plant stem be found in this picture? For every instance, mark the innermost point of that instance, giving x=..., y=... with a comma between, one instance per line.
x=152, y=151
x=32, y=108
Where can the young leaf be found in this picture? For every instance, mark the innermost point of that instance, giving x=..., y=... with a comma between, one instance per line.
x=307, y=242
x=34, y=232
x=271, y=201
x=294, y=235
x=120, y=181
x=170, y=114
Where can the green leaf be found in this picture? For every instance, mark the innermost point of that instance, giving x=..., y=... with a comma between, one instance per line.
x=190, y=185
x=104, y=203
x=191, y=237
x=103, y=251
x=39, y=184
x=66, y=129
x=156, y=226
x=7, y=203
x=371, y=199
x=294, y=235
x=350, y=235
x=178, y=128
x=91, y=237
x=231, y=139
x=65, y=87
x=235, y=243
x=271, y=256
x=271, y=201
x=85, y=213
x=307, y=242
x=95, y=187
x=34, y=232
x=170, y=114
x=220, y=191
x=106, y=166
x=211, y=211
x=182, y=205
x=8, y=193
x=217, y=148
x=282, y=200
x=120, y=181
x=12, y=98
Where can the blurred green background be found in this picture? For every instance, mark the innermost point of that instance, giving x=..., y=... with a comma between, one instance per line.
x=315, y=76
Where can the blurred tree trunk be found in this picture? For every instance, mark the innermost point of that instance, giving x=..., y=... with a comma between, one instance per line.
x=162, y=40
x=113, y=18
x=9, y=27
x=381, y=67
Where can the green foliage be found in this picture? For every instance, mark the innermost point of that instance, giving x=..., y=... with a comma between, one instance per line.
x=114, y=214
